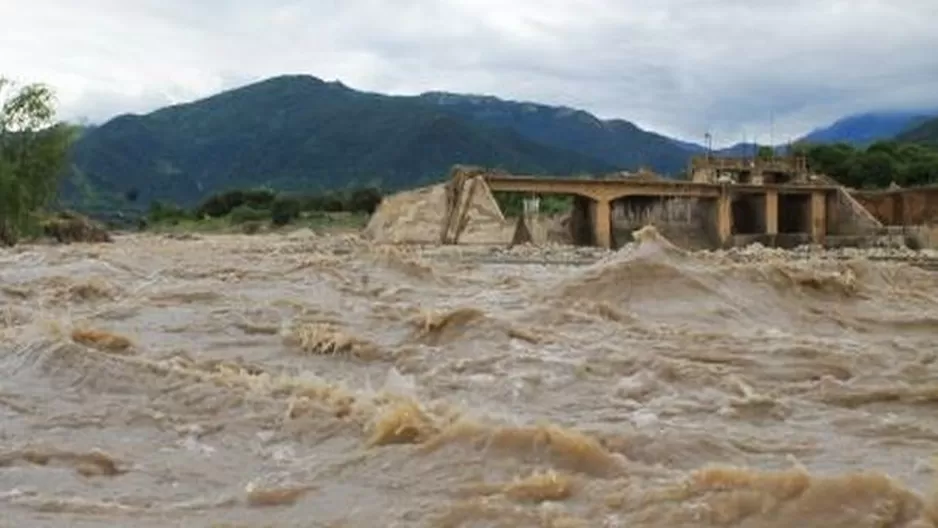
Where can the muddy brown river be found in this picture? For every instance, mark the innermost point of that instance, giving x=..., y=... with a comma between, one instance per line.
x=318, y=381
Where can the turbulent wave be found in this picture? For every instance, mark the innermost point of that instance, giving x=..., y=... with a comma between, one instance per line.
x=653, y=277
x=305, y=379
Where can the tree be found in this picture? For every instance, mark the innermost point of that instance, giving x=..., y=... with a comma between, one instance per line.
x=33, y=151
x=874, y=168
x=364, y=200
x=284, y=210
x=921, y=172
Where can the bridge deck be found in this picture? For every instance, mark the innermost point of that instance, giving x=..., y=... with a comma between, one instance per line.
x=597, y=188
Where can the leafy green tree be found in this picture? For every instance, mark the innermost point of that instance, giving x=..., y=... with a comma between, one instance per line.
x=332, y=203
x=876, y=166
x=33, y=151
x=873, y=168
x=169, y=213
x=512, y=203
x=245, y=213
x=223, y=204
x=364, y=200
x=921, y=172
x=284, y=210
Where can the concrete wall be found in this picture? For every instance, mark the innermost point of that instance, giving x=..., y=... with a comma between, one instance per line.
x=684, y=221
x=902, y=206
x=848, y=217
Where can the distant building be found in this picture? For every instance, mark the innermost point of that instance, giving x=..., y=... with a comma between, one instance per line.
x=751, y=171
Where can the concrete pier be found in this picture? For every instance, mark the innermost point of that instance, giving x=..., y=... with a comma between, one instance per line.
x=738, y=208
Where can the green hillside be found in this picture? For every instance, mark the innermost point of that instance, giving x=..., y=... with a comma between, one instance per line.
x=926, y=133
x=296, y=133
x=616, y=142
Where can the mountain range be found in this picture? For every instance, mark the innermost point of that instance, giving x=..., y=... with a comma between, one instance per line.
x=924, y=132
x=863, y=129
x=298, y=132
x=616, y=141
x=858, y=130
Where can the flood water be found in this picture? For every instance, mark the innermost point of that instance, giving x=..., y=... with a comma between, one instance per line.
x=303, y=380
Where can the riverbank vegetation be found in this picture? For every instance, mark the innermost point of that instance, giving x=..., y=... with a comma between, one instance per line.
x=875, y=167
x=254, y=210
x=33, y=153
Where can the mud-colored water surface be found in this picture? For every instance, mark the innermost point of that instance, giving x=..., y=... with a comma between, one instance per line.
x=301, y=380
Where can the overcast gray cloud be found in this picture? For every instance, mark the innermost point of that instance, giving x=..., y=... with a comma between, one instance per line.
x=680, y=67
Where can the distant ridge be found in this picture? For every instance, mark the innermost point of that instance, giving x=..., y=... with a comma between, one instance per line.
x=615, y=141
x=924, y=132
x=863, y=129
x=297, y=132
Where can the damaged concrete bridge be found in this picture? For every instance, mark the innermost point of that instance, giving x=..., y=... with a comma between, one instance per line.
x=730, y=201
x=725, y=203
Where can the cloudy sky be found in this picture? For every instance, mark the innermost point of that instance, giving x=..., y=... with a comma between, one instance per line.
x=679, y=67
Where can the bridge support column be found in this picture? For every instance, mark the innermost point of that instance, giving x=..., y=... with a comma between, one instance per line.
x=724, y=218
x=602, y=223
x=818, y=217
x=771, y=212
